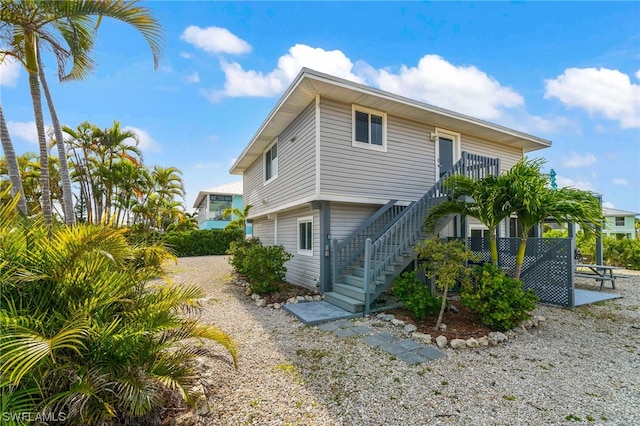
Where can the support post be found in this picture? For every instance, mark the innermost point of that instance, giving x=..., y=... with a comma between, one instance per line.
x=367, y=275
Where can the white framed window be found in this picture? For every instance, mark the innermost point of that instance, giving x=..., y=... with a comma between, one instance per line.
x=619, y=220
x=305, y=236
x=271, y=162
x=369, y=128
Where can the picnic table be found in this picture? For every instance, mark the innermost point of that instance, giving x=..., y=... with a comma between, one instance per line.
x=600, y=273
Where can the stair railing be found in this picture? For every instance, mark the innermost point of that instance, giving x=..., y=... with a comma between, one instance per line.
x=403, y=234
x=352, y=247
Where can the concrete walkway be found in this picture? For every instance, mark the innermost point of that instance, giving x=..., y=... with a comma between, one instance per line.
x=407, y=350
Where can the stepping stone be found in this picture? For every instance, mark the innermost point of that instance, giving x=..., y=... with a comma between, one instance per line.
x=430, y=353
x=387, y=337
x=393, y=349
x=343, y=323
x=361, y=330
x=409, y=344
x=411, y=358
x=374, y=341
x=344, y=332
x=328, y=326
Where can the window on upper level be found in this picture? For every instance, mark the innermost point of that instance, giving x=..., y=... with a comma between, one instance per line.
x=305, y=236
x=619, y=220
x=217, y=205
x=369, y=128
x=271, y=162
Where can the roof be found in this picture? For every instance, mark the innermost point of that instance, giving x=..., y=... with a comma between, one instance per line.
x=310, y=83
x=606, y=211
x=234, y=188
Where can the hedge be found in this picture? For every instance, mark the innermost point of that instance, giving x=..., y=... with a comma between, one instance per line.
x=211, y=242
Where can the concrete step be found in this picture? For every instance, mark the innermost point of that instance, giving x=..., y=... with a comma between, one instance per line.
x=349, y=291
x=345, y=302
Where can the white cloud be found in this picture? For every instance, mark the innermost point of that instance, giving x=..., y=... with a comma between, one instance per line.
x=620, y=181
x=577, y=160
x=146, y=142
x=9, y=72
x=206, y=166
x=608, y=205
x=25, y=131
x=186, y=55
x=254, y=83
x=564, y=182
x=464, y=89
x=193, y=78
x=600, y=91
x=215, y=40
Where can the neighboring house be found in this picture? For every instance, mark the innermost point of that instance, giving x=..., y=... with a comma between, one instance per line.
x=619, y=223
x=337, y=162
x=213, y=202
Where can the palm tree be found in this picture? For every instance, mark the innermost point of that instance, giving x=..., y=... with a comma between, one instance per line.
x=12, y=164
x=31, y=21
x=240, y=221
x=483, y=199
x=533, y=200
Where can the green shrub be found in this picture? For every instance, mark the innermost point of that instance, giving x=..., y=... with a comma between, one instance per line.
x=500, y=300
x=622, y=252
x=211, y=242
x=416, y=295
x=238, y=251
x=87, y=331
x=264, y=267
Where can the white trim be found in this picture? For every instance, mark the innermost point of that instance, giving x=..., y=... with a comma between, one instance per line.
x=370, y=112
x=318, y=145
x=306, y=219
x=264, y=163
x=477, y=227
x=283, y=207
x=360, y=200
x=457, y=153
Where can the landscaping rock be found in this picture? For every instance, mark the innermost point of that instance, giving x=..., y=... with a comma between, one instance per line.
x=255, y=296
x=261, y=303
x=308, y=298
x=248, y=291
x=410, y=328
x=458, y=344
x=301, y=299
x=186, y=419
x=292, y=301
x=528, y=324
x=441, y=341
x=496, y=337
x=443, y=327
x=397, y=322
x=484, y=341
x=385, y=317
x=317, y=298
x=423, y=338
x=277, y=306
x=472, y=343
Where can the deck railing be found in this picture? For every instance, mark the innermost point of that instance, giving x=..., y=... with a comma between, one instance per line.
x=383, y=253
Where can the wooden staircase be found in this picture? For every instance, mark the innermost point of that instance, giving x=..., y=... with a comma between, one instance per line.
x=366, y=263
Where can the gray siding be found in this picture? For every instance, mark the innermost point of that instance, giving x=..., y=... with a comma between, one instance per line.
x=346, y=217
x=508, y=155
x=265, y=230
x=301, y=269
x=296, y=168
x=404, y=172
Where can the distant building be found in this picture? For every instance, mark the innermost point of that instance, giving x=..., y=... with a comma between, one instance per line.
x=619, y=223
x=212, y=202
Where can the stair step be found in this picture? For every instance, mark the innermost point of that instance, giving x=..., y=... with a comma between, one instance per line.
x=350, y=291
x=345, y=302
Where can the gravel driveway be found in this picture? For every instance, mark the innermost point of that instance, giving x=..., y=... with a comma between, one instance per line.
x=579, y=367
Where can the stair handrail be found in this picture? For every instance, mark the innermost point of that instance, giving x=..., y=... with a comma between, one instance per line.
x=403, y=234
x=350, y=248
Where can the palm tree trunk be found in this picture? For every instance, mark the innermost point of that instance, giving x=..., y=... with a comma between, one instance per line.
x=493, y=246
x=12, y=164
x=65, y=178
x=34, y=86
x=520, y=257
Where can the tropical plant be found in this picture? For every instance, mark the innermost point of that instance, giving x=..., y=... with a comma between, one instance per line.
x=65, y=28
x=13, y=170
x=532, y=199
x=500, y=300
x=263, y=265
x=415, y=295
x=86, y=327
x=446, y=263
x=484, y=199
x=239, y=217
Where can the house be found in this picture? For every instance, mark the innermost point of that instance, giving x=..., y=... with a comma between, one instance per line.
x=212, y=202
x=336, y=163
x=619, y=223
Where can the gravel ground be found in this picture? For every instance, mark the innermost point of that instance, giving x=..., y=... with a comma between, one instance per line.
x=579, y=367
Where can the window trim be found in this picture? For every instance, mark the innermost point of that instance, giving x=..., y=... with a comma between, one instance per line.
x=615, y=221
x=305, y=252
x=264, y=162
x=368, y=145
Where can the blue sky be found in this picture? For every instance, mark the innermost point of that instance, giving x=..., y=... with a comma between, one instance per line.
x=567, y=72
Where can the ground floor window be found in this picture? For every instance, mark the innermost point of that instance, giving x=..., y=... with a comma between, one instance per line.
x=305, y=236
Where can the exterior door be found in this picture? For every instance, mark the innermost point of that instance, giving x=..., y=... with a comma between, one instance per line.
x=446, y=155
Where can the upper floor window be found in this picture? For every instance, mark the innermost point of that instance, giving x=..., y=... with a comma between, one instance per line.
x=369, y=128
x=619, y=220
x=271, y=162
